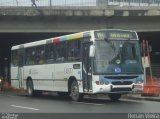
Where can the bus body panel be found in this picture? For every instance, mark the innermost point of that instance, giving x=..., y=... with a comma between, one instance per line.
x=46, y=78
x=14, y=76
x=62, y=74
x=42, y=76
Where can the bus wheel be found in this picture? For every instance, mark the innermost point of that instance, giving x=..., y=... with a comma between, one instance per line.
x=114, y=96
x=30, y=88
x=75, y=95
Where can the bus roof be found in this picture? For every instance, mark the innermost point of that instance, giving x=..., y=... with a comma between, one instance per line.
x=36, y=43
x=68, y=37
x=62, y=38
x=53, y=40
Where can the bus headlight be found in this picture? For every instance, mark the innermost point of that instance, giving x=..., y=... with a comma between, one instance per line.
x=106, y=82
x=102, y=82
x=97, y=82
x=139, y=82
x=0, y=80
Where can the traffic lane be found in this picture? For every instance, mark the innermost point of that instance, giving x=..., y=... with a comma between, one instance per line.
x=54, y=104
x=8, y=103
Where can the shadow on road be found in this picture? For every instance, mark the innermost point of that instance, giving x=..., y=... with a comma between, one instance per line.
x=86, y=99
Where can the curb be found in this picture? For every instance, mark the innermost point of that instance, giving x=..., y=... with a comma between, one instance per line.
x=157, y=99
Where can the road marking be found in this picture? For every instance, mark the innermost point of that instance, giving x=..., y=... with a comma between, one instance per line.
x=88, y=103
x=24, y=107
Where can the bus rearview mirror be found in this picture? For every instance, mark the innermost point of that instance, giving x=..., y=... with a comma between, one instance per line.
x=92, y=51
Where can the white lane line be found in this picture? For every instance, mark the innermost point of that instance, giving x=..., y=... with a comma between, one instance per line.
x=24, y=107
x=88, y=103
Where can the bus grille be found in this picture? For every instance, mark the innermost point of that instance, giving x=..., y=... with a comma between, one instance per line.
x=122, y=83
x=121, y=89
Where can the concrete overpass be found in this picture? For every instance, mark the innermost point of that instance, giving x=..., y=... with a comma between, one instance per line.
x=74, y=19
x=16, y=21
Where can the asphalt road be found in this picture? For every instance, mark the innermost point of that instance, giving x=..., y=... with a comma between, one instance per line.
x=53, y=104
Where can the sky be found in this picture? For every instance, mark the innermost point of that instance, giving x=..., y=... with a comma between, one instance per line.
x=47, y=2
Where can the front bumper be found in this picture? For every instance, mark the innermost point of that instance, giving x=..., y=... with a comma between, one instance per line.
x=138, y=88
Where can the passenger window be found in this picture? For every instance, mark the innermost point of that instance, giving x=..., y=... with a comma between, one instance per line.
x=60, y=52
x=74, y=50
x=50, y=53
x=30, y=56
x=14, y=58
x=39, y=56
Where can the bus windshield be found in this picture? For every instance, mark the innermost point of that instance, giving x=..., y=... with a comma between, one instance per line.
x=117, y=57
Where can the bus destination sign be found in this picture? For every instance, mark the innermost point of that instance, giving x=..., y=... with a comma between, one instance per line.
x=116, y=35
x=120, y=35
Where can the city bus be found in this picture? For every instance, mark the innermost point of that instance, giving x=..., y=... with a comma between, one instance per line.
x=105, y=61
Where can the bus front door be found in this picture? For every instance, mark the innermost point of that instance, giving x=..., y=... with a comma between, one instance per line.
x=86, y=68
x=20, y=67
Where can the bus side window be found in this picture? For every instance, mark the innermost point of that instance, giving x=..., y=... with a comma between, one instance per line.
x=74, y=50
x=32, y=62
x=27, y=61
x=60, y=52
x=42, y=58
x=78, y=50
x=39, y=55
x=30, y=56
x=49, y=53
x=14, y=61
x=70, y=49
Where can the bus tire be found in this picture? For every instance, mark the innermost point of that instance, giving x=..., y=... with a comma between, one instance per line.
x=114, y=96
x=30, y=90
x=75, y=95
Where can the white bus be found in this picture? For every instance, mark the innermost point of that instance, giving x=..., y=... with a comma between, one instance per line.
x=93, y=62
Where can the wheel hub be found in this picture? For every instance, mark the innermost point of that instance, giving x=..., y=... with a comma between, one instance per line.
x=74, y=90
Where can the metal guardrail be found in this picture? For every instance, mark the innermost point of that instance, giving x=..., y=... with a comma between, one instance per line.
x=90, y=3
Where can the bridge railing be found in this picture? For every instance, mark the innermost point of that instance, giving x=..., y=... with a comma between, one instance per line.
x=39, y=3
x=89, y=3
x=134, y=2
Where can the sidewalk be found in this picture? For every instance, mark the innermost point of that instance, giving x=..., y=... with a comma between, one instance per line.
x=139, y=97
x=13, y=92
